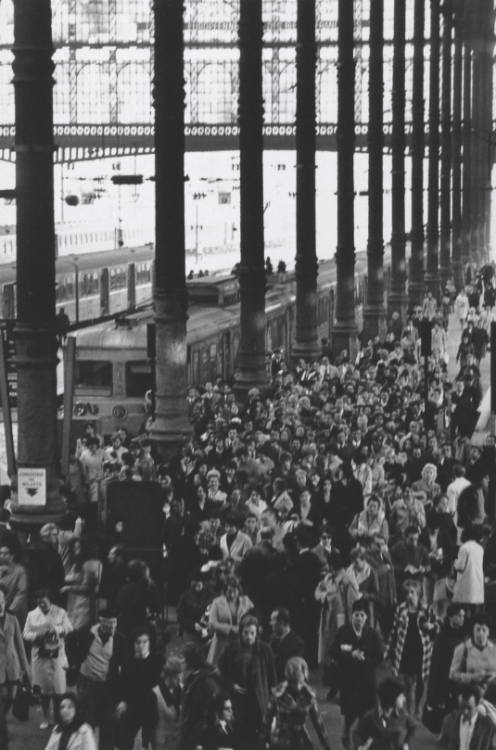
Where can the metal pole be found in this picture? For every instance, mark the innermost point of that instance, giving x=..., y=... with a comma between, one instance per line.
x=374, y=314
x=445, y=247
x=345, y=332
x=456, y=153
x=467, y=133
x=397, y=297
x=171, y=422
x=432, y=270
x=251, y=353
x=416, y=280
x=35, y=331
x=306, y=339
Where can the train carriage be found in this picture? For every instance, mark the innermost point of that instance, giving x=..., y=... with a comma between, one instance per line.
x=113, y=373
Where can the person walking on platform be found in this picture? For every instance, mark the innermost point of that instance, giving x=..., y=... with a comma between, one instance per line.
x=462, y=307
x=429, y=307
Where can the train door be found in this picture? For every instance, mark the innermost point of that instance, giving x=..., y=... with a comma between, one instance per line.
x=268, y=337
x=104, y=291
x=226, y=346
x=131, y=286
x=9, y=301
x=331, y=313
x=289, y=332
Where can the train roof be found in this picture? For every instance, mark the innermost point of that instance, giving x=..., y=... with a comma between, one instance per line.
x=88, y=261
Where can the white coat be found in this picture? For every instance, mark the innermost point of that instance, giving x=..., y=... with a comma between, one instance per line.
x=83, y=739
x=49, y=674
x=469, y=586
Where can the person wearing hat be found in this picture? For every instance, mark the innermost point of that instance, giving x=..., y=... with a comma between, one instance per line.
x=357, y=652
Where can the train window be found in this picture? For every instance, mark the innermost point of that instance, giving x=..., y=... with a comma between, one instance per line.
x=138, y=379
x=93, y=376
x=118, y=278
x=93, y=283
x=143, y=274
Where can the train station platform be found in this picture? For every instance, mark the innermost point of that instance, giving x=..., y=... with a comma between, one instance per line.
x=485, y=423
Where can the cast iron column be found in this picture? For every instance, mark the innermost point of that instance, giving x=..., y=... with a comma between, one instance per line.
x=306, y=336
x=171, y=416
x=477, y=91
x=36, y=345
x=251, y=354
x=432, y=270
x=456, y=154
x=487, y=103
x=467, y=134
x=374, y=314
x=397, y=297
x=445, y=245
x=416, y=280
x=345, y=328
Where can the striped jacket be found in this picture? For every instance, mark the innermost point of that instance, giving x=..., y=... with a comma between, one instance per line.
x=397, y=638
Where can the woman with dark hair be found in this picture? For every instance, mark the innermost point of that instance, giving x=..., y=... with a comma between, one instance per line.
x=218, y=732
x=356, y=652
x=136, y=707
x=70, y=731
x=388, y=726
x=138, y=600
x=247, y=665
x=474, y=661
x=410, y=644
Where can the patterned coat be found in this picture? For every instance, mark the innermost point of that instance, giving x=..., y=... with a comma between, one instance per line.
x=288, y=731
x=397, y=638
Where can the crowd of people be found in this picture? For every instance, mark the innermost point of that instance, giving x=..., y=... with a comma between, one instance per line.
x=337, y=529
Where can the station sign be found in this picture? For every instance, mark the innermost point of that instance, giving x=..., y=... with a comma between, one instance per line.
x=31, y=486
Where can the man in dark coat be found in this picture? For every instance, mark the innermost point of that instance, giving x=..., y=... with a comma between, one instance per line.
x=306, y=571
x=203, y=683
x=247, y=665
x=357, y=651
x=466, y=727
x=441, y=692
x=284, y=642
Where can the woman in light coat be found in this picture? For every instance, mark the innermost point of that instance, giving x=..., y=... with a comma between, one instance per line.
x=46, y=628
x=70, y=729
x=13, y=663
x=469, y=586
x=225, y=613
x=462, y=307
x=166, y=709
x=329, y=593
